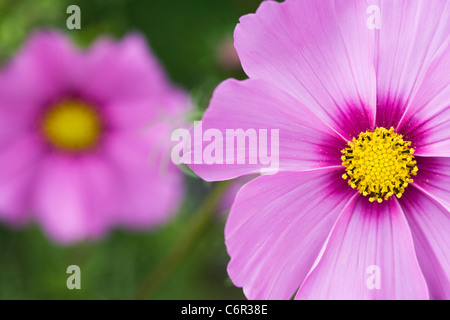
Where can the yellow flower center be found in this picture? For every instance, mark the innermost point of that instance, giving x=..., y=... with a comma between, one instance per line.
x=72, y=126
x=379, y=164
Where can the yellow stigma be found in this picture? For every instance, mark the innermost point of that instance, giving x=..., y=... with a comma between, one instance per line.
x=379, y=164
x=72, y=126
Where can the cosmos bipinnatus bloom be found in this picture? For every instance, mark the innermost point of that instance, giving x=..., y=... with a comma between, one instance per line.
x=83, y=137
x=363, y=184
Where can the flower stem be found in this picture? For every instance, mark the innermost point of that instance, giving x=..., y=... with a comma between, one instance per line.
x=184, y=244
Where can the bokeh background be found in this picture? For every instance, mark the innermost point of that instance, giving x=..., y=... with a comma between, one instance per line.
x=192, y=39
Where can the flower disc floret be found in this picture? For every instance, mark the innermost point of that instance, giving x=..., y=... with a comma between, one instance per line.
x=379, y=164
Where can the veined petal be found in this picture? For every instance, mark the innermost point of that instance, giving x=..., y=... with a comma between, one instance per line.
x=304, y=141
x=427, y=121
x=430, y=224
x=411, y=35
x=277, y=227
x=434, y=178
x=369, y=255
x=320, y=52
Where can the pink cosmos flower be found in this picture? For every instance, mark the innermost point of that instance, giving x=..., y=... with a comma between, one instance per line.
x=83, y=137
x=360, y=206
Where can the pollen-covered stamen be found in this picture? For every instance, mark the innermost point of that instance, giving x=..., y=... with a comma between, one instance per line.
x=379, y=164
x=72, y=126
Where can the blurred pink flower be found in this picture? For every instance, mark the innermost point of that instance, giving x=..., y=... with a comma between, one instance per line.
x=359, y=111
x=83, y=137
x=226, y=54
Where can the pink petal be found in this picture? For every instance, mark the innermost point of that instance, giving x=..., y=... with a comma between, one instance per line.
x=163, y=107
x=14, y=123
x=305, y=142
x=427, y=120
x=277, y=227
x=411, y=34
x=320, y=52
x=368, y=237
x=434, y=178
x=74, y=197
x=430, y=224
x=19, y=163
x=47, y=67
x=14, y=202
x=123, y=70
x=39, y=74
x=130, y=84
x=151, y=188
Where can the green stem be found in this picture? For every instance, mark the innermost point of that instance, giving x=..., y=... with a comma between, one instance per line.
x=184, y=244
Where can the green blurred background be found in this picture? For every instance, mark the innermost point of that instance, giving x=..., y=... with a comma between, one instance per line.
x=189, y=37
